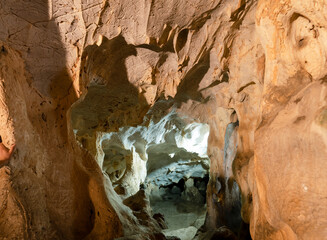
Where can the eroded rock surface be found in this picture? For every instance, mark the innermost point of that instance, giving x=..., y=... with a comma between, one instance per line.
x=74, y=73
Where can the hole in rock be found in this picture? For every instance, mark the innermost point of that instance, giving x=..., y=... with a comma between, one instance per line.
x=181, y=39
x=168, y=160
x=166, y=157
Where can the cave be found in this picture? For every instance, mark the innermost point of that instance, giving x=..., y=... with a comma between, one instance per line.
x=155, y=120
x=165, y=157
x=156, y=161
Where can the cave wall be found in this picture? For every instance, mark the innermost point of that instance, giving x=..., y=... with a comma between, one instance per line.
x=257, y=65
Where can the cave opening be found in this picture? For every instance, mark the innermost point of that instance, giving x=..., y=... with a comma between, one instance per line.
x=182, y=205
x=177, y=185
x=165, y=157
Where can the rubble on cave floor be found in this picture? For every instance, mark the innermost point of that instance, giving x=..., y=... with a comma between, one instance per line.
x=182, y=205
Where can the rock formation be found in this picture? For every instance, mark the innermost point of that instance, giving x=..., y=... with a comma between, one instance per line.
x=99, y=95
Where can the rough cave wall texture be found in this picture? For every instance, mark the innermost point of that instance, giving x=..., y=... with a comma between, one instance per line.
x=256, y=66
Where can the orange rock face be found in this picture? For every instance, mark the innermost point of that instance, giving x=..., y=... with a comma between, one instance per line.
x=254, y=71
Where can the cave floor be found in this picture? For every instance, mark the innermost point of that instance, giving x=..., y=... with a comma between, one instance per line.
x=183, y=218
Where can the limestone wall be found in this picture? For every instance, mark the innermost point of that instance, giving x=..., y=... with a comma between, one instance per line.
x=97, y=66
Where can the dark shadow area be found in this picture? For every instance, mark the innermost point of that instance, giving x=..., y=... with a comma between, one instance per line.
x=48, y=94
x=231, y=195
x=189, y=87
x=111, y=100
x=237, y=17
x=181, y=39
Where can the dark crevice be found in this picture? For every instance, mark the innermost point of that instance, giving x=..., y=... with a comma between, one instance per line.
x=238, y=15
x=295, y=16
x=181, y=39
x=189, y=86
x=245, y=86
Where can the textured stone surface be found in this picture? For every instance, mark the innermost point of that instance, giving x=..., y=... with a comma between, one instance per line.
x=155, y=153
x=254, y=71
